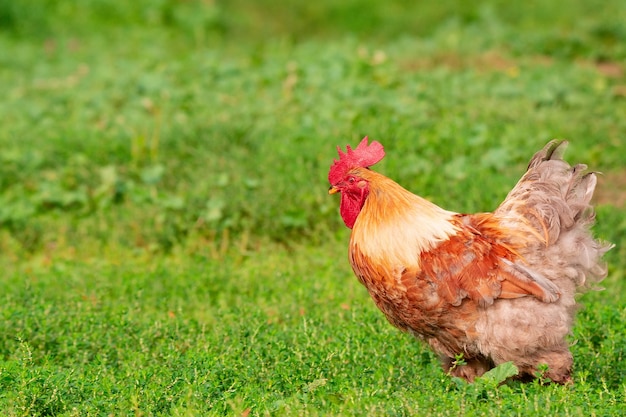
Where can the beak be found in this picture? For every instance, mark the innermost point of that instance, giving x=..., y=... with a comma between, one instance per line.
x=333, y=190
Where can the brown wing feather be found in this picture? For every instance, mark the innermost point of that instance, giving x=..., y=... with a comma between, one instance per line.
x=477, y=264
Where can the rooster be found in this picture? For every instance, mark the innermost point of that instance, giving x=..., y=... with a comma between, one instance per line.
x=489, y=287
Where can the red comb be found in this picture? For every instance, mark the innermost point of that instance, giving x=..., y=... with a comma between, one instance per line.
x=363, y=156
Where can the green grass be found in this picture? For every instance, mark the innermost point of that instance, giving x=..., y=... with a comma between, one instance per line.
x=167, y=243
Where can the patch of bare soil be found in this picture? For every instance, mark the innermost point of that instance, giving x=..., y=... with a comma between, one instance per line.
x=496, y=61
x=611, y=189
x=488, y=61
x=610, y=69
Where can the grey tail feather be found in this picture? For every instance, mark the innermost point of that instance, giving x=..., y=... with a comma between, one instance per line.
x=553, y=150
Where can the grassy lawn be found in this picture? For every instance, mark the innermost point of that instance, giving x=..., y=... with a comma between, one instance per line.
x=167, y=244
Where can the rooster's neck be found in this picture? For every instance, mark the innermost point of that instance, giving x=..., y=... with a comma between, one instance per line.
x=398, y=223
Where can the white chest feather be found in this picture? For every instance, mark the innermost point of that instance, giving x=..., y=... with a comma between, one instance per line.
x=398, y=237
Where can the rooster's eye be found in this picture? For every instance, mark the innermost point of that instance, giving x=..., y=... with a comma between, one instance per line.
x=351, y=180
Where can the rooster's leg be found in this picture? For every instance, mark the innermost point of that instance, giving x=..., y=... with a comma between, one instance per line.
x=558, y=362
x=470, y=369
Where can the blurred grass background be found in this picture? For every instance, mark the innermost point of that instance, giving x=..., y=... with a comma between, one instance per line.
x=208, y=116
x=163, y=172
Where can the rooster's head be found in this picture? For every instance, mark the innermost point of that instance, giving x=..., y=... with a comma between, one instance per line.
x=344, y=177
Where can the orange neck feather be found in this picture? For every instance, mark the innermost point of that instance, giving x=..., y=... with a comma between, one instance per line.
x=396, y=224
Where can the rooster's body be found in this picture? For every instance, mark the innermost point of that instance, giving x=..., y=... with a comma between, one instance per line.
x=492, y=287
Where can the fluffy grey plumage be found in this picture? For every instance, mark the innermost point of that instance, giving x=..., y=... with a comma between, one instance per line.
x=552, y=203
